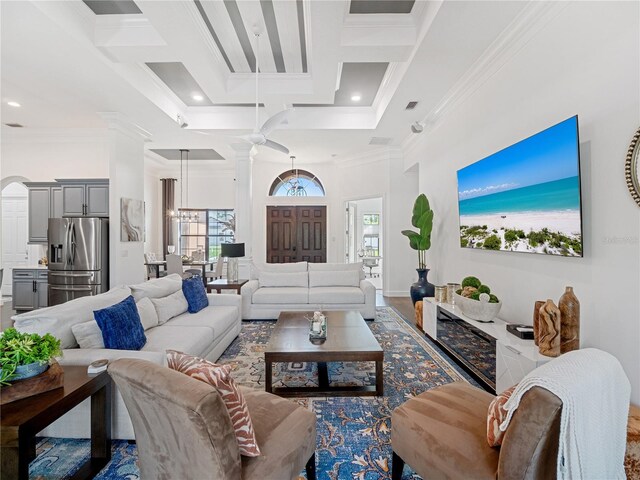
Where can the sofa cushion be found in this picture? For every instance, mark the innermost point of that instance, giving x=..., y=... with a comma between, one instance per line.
x=157, y=287
x=335, y=278
x=335, y=267
x=88, y=334
x=284, y=279
x=279, y=295
x=121, y=326
x=258, y=268
x=219, y=376
x=170, y=306
x=59, y=319
x=147, y=312
x=442, y=433
x=219, y=319
x=192, y=340
x=336, y=295
x=194, y=292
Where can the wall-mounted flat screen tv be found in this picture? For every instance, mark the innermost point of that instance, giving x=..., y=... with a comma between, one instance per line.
x=525, y=198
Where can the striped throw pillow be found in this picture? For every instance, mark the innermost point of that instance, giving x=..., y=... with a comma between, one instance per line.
x=496, y=415
x=219, y=377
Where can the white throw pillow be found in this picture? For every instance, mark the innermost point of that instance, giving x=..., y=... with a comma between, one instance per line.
x=337, y=267
x=170, y=306
x=258, y=268
x=271, y=279
x=88, y=334
x=345, y=278
x=157, y=287
x=148, y=314
x=59, y=319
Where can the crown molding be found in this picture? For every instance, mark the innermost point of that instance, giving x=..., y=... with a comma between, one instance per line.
x=512, y=39
x=368, y=157
x=121, y=123
x=54, y=135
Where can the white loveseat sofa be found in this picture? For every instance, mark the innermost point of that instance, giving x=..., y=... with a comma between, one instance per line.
x=206, y=333
x=307, y=287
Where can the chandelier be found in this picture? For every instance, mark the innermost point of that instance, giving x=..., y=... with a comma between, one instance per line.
x=294, y=184
x=185, y=215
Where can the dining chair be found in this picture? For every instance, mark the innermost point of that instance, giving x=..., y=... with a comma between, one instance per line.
x=174, y=265
x=217, y=273
x=151, y=270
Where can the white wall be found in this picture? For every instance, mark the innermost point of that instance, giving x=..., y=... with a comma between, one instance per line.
x=586, y=60
x=44, y=155
x=126, y=180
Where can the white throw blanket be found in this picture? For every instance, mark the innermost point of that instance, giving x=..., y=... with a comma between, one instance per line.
x=595, y=394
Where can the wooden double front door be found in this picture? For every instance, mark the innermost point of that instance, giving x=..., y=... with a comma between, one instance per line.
x=296, y=234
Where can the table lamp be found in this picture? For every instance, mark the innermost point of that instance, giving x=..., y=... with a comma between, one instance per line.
x=232, y=251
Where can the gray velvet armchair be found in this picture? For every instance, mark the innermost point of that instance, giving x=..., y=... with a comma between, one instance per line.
x=183, y=430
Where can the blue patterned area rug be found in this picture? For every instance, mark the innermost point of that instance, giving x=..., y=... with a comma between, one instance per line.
x=353, y=432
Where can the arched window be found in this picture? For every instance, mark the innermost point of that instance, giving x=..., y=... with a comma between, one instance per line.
x=296, y=183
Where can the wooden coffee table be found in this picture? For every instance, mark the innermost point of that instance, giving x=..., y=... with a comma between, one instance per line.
x=21, y=420
x=349, y=339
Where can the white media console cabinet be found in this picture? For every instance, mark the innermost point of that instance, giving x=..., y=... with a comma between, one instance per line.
x=477, y=344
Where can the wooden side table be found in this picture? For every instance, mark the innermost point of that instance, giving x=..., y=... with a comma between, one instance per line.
x=20, y=422
x=224, y=284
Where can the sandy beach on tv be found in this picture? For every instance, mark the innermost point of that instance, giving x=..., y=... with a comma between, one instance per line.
x=567, y=222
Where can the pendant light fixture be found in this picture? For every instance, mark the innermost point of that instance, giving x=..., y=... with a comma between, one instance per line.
x=185, y=216
x=294, y=185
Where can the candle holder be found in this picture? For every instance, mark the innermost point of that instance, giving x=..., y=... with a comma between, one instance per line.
x=318, y=326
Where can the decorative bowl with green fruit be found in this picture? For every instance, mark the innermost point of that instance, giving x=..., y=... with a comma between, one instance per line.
x=476, y=300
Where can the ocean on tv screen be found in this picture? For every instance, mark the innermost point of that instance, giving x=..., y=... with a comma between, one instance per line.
x=525, y=198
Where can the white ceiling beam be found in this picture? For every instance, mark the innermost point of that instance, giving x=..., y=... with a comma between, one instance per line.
x=253, y=19
x=287, y=18
x=181, y=25
x=221, y=23
x=124, y=31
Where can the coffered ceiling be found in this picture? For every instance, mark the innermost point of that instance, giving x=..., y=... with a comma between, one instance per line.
x=348, y=68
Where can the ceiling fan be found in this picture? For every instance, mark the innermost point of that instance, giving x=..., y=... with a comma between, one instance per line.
x=260, y=134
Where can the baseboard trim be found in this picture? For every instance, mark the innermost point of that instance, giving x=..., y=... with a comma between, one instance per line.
x=395, y=293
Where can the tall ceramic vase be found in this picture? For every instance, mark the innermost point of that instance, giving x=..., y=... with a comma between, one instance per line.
x=569, y=321
x=422, y=288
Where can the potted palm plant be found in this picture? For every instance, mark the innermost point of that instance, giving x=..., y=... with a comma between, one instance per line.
x=422, y=219
x=25, y=355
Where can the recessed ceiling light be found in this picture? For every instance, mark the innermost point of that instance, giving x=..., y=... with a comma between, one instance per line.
x=13, y=104
x=356, y=97
x=197, y=97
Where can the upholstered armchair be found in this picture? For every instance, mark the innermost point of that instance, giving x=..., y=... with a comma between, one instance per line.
x=442, y=433
x=183, y=430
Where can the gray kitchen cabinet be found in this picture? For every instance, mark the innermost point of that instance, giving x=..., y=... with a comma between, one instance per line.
x=97, y=200
x=39, y=207
x=73, y=200
x=23, y=295
x=85, y=199
x=30, y=289
x=56, y=203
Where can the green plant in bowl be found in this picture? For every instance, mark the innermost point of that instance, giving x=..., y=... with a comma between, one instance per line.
x=25, y=349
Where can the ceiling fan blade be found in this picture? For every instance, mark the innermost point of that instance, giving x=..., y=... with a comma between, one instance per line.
x=272, y=123
x=276, y=146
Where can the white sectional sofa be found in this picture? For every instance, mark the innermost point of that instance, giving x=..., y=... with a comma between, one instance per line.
x=308, y=287
x=206, y=333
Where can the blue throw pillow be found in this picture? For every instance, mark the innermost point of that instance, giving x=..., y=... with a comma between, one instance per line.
x=194, y=292
x=121, y=326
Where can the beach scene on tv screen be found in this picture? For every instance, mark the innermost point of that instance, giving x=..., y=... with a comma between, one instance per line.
x=525, y=198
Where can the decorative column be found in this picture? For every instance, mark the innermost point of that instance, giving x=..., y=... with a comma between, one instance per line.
x=244, y=204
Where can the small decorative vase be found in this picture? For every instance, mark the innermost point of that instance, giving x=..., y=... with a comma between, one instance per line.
x=569, y=321
x=422, y=288
x=549, y=329
x=536, y=320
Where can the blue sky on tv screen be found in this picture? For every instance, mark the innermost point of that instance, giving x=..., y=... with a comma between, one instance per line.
x=546, y=156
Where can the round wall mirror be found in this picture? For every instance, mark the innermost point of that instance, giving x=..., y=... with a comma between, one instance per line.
x=632, y=167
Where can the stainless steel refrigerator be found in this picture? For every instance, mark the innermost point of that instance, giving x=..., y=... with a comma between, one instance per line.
x=78, y=258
